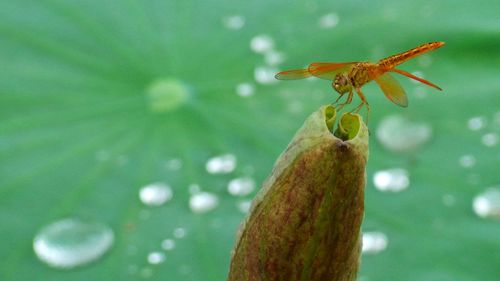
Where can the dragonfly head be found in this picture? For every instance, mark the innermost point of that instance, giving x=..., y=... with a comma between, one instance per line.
x=341, y=83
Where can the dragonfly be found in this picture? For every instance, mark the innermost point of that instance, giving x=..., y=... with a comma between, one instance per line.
x=348, y=77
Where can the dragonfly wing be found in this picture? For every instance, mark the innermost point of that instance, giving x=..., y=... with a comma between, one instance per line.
x=392, y=89
x=293, y=74
x=328, y=70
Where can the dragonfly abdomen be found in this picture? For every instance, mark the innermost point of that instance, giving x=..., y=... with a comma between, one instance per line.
x=393, y=61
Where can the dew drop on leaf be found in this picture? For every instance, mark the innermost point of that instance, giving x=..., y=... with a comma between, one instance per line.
x=234, y=22
x=489, y=139
x=168, y=244
x=245, y=90
x=487, y=203
x=244, y=206
x=265, y=75
x=241, y=186
x=399, y=134
x=476, y=123
x=179, y=233
x=329, y=20
x=71, y=242
x=374, y=242
x=393, y=180
x=467, y=161
x=262, y=43
x=203, y=202
x=155, y=194
x=222, y=164
x=156, y=257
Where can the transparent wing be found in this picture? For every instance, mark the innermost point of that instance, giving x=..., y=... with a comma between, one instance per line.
x=392, y=89
x=409, y=75
x=293, y=74
x=328, y=70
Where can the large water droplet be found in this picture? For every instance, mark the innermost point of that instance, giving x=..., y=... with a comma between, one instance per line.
x=329, y=20
x=401, y=135
x=222, y=164
x=262, y=43
x=71, y=242
x=155, y=194
x=203, y=202
x=166, y=95
x=156, y=257
x=487, y=204
x=394, y=180
x=374, y=242
x=241, y=186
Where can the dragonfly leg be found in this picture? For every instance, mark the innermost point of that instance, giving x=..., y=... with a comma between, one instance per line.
x=337, y=100
x=363, y=102
x=348, y=101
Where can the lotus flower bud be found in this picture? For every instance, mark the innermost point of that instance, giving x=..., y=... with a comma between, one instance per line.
x=305, y=222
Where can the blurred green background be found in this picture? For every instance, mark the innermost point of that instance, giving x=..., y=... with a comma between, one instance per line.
x=100, y=98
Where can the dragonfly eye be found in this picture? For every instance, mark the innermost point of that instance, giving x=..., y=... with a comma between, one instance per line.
x=341, y=84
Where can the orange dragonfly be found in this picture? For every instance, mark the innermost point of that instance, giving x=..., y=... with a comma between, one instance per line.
x=349, y=76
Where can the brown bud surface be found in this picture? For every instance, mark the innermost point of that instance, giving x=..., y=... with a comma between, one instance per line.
x=305, y=222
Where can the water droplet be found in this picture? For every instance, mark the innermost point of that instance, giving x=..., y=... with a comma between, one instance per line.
x=179, y=233
x=234, y=22
x=329, y=20
x=273, y=57
x=262, y=43
x=393, y=180
x=168, y=244
x=265, y=75
x=401, y=135
x=374, y=242
x=476, y=123
x=487, y=204
x=155, y=194
x=166, y=95
x=244, y=206
x=156, y=257
x=203, y=202
x=490, y=139
x=222, y=164
x=173, y=164
x=467, y=161
x=71, y=242
x=241, y=186
x=245, y=89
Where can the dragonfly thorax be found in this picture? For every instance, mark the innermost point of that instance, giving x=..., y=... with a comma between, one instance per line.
x=342, y=84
